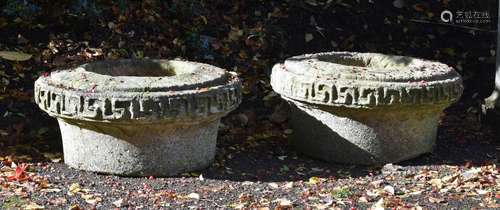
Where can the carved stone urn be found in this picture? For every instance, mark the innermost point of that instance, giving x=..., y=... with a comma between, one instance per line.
x=365, y=108
x=139, y=117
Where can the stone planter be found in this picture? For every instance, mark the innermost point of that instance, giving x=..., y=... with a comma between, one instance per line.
x=365, y=108
x=139, y=117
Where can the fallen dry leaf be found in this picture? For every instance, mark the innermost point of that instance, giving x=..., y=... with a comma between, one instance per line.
x=118, y=203
x=288, y=185
x=437, y=200
x=273, y=185
x=74, y=188
x=194, y=196
x=314, y=180
x=14, y=56
x=379, y=205
x=284, y=203
x=389, y=189
x=20, y=173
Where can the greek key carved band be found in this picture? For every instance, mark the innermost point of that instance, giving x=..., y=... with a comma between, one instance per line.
x=328, y=92
x=75, y=105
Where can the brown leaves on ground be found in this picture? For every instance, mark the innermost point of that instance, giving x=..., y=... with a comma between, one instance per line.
x=19, y=174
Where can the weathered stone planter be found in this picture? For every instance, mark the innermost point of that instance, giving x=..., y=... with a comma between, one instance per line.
x=139, y=117
x=365, y=108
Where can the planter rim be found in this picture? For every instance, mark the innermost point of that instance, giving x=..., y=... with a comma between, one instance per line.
x=132, y=75
x=369, y=67
x=367, y=80
x=138, y=91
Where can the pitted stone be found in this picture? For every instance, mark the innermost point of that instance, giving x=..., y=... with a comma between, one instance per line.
x=365, y=80
x=365, y=108
x=162, y=90
x=139, y=117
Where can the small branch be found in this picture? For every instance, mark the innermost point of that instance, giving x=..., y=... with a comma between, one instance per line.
x=452, y=25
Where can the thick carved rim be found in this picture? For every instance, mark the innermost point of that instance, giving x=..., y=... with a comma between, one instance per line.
x=369, y=67
x=139, y=91
x=365, y=80
x=138, y=76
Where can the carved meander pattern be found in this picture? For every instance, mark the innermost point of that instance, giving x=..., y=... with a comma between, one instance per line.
x=331, y=93
x=73, y=105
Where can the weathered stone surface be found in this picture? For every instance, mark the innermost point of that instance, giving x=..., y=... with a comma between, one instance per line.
x=365, y=108
x=365, y=80
x=126, y=90
x=139, y=117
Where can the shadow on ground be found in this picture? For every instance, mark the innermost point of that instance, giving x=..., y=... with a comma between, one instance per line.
x=462, y=140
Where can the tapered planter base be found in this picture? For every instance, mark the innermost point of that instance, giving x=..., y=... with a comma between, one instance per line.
x=364, y=137
x=139, y=150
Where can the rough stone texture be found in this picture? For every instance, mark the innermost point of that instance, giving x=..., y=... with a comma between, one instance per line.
x=139, y=117
x=138, y=91
x=363, y=136
x=365, y=80
x=365, y=108
x=148, y=149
